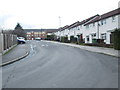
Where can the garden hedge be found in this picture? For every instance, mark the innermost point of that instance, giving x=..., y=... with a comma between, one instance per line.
x=116, y=39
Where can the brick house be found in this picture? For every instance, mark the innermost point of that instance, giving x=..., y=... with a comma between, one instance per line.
x=41, y=33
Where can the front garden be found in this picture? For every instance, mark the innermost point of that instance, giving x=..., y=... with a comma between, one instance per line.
x=96, y=42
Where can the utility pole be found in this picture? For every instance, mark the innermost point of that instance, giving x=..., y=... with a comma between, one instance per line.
x=59, y=21
x=60, y=26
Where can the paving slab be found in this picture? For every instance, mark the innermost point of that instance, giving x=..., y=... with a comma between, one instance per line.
x=15, y=54
x=103, y=50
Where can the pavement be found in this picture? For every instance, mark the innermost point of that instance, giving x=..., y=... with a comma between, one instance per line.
x=22, y=50
x=103, y=50
x=18, y=52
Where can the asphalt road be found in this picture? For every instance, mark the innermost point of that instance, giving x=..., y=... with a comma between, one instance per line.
x=51, y=65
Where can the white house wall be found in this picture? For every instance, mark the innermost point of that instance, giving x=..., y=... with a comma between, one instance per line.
x=107, y=28
x=66, y=32
x=89, y=31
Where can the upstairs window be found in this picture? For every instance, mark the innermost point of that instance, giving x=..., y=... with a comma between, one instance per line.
x=93, y=24
x=81, y=26
x=78, y=28
x=104, y=21
x=87, y=27
x=101, y=22
x=113, y=19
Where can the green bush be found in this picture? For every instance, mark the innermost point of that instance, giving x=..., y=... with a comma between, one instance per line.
x=64, y=39
x=116, y=39
x=50, y=37
x=73, y=39
x=94, y=40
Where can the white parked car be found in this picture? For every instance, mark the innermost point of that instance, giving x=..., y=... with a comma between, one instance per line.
x=38, y=38
x=21, y=40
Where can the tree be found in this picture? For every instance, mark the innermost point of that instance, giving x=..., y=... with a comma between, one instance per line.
x=19, y=31
x=50, y=37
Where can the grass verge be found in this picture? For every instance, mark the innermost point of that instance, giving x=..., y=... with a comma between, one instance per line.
x=9, y=50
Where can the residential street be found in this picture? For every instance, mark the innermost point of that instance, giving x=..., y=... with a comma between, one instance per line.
x=53, y=65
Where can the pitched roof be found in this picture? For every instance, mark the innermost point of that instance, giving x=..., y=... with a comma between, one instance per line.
x=41, y=30
x=73, y=25
x=83, y=22
x=106, y=15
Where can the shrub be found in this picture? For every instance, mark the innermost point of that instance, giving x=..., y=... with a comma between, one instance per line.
x=64, y=39
x=50, y=37
x=73, y=39
x=116, y=39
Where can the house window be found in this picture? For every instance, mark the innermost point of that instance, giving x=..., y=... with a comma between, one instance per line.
x=101, y=22
x=87, y=38
x=103, y=36
x=90, y=25
x=113, y=19
x=94, y=35
x=93, y=24
x=87, y=26
x=81, y=26
x=104, y=21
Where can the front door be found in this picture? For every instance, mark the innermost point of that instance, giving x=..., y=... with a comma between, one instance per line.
x=111, y=38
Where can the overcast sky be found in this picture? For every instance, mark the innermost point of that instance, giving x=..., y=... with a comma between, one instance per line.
x=45, y=13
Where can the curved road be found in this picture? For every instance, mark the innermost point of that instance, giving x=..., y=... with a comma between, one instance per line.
x=51, y=65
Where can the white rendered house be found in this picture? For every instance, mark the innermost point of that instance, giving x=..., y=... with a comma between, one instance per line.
x=102, y=27
x=96, y=27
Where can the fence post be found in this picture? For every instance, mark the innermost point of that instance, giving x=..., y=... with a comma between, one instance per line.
x=1, y=43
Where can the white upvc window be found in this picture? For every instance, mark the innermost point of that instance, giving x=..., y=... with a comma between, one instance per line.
x=104, y=21
x=93, y=35
x=81, y=26
x=78, y=28
x=87, y=26
x=93, y=24
x=87, y=38
x=103, y=36
x=101, y=22
x=113, y=18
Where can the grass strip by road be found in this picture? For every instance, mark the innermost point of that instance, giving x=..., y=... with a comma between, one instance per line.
x=9, y=50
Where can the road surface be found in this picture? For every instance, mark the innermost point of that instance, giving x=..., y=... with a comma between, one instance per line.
x=51, y=65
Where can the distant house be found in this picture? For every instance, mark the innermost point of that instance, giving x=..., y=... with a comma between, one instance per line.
x=41, y=33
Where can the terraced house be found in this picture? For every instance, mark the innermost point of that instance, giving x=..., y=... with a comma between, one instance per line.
x=95, y=27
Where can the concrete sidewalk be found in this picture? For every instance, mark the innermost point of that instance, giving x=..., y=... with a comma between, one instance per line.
x=17, y=53
x=108, y=51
